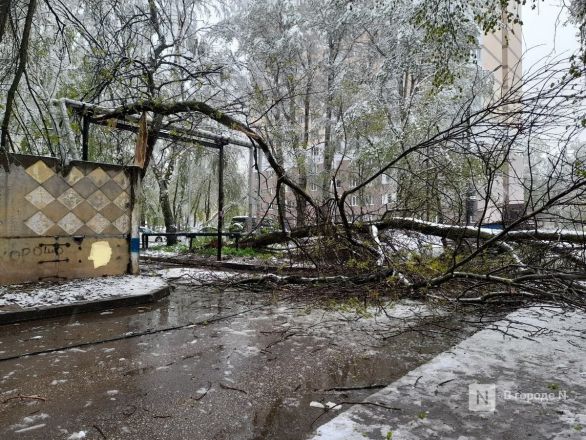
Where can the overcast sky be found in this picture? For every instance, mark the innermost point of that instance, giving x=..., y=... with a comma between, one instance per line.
x=546, y=32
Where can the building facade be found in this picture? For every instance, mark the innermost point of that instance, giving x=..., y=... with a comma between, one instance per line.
x=499, y=56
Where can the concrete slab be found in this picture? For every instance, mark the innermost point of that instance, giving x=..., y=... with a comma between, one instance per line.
x=524, y=377
x=47, y=300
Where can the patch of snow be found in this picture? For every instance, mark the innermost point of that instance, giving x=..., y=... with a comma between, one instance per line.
x=27, y=423
x=77, y=435
x=158, y=253
x=327, y=405
x=30, y=428
x=195, y=274
x=94, y=289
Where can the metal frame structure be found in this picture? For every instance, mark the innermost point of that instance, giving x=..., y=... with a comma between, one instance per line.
x=175, y=133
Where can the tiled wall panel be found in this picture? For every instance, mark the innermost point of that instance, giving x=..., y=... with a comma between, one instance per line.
x=70, y=208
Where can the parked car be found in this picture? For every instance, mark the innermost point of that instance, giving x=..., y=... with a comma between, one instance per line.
x=238, y=224
x=145, y=230
x=208, y=229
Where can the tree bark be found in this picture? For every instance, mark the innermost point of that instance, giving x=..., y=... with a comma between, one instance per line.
x=300, y=202
x=4, y=14
x=22, y=59
x=453, y=232
x=329, y=147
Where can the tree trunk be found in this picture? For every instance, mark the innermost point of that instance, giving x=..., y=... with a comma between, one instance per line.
x=22, y=59
x=300, y=201
x=4, y=14
x=167, y=210
x=329, y=147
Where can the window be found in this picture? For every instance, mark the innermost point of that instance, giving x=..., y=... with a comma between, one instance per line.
x=353, y=200
x=354, y=182
x=338, y=183
x=368, y=200
x=314, y=151
x=313, y=187
x=385, y=179
x=389, y=198
x=313, y=169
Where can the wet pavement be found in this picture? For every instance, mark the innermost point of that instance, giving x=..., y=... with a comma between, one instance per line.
x=523, y=377
x=206, y=364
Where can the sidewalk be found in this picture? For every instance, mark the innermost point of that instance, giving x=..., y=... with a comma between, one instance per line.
x=513, y=380
x=41, y=300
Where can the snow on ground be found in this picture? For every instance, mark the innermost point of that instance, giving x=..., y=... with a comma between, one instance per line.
x=69, y=292
x=190, y=274
x=159, y=253
x=524, y=376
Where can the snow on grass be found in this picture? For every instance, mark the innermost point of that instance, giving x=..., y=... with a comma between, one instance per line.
x=77, y=435
x=191, y=273
x=94, y=289
x=158, y=253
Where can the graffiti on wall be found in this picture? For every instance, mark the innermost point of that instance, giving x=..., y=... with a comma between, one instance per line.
x=72, y=222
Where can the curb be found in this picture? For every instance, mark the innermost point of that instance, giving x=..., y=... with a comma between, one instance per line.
x=83, y=307
x=227, y=265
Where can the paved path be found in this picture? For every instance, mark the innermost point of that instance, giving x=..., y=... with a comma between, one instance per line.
x=248, y=368
x=538, y=378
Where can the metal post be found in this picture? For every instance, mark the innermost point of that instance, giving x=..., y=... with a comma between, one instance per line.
x=135, y=223
x=250, y=189
x=85, y=138
x=220, y=199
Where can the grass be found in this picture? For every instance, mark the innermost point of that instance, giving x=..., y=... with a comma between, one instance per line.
x=231, y=251
x=179, y=248
x=235, y=252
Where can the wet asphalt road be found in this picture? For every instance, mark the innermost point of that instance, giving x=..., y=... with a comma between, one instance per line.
x=248, y=369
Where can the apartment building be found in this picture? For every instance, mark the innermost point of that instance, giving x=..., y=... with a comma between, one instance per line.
x=500, y=56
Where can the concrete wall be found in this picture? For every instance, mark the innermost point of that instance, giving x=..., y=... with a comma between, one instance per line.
x=64, y=223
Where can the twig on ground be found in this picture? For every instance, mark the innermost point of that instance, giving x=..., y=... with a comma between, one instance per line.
x=97, y=428
x=365, y=387
x=228, y=387
x=22, y=397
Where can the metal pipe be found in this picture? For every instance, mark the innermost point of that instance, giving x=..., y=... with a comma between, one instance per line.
x=79, y=105
x=85, y=138
x=220, y=200
x=250, y=191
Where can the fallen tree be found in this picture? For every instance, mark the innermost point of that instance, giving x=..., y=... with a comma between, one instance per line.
x=532, y=264
x=453, y=232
